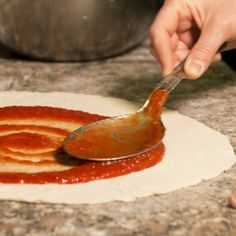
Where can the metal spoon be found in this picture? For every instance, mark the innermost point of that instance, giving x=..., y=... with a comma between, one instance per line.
x=127, y=135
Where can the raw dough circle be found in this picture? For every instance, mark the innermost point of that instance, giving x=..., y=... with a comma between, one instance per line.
x=194, y=152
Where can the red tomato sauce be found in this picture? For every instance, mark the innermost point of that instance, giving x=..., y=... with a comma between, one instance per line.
x=31, y=139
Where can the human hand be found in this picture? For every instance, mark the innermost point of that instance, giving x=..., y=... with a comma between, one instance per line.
x=233, y=200
x=193, y=28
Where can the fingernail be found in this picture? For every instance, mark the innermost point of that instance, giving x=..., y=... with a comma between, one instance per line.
x=194, y=68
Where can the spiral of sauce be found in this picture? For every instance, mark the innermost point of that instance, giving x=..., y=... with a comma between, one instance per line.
x=31, y=148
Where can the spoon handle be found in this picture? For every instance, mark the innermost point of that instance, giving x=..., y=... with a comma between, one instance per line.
x=173, y=79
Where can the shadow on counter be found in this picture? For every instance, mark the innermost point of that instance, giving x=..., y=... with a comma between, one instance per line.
x=7, y=53
x=218, y=77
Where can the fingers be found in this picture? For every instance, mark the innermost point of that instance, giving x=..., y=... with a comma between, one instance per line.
x=204, y=51
x=154, y=53
x=233, y=200
x=175, y=46
x=217, y=57
x=160, y=33
x=167, y=32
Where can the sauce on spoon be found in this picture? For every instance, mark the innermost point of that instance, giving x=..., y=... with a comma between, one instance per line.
x=123, y=136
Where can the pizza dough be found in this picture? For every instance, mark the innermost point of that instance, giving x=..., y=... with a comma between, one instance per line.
x=194, y=152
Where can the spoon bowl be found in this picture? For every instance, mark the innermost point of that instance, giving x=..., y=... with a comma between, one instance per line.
x=116, y=138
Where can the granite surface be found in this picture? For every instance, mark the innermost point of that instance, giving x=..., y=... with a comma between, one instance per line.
x=202, y=209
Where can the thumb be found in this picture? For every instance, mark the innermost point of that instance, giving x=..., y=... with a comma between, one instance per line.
x=204, y=50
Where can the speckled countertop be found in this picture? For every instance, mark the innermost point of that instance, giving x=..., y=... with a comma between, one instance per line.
x=198, y=210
